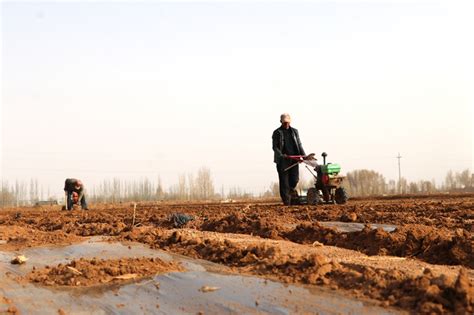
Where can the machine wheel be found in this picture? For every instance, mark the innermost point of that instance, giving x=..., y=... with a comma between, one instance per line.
x=313, y=197
x=341, y=195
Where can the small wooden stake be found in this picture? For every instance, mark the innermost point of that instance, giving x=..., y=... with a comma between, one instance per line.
x=134, y=211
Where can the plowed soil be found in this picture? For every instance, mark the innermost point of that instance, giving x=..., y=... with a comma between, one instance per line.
x=424, y=266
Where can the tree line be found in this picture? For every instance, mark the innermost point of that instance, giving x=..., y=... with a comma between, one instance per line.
x=21, y=193
x=360, y=183
x=371, y=183
x=189, y=187
x=200, y=186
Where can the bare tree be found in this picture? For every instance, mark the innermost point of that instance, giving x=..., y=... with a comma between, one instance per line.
x=204, y=184
x=464, y=179
x=365, y=183
x=450, y=181
x=413, y=188
x=159, y=191
x=192, y=187
x=182, y=189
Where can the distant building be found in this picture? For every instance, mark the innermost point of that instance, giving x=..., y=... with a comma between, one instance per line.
x=46, y=203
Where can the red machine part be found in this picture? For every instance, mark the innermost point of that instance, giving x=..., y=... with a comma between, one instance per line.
x=325, y=179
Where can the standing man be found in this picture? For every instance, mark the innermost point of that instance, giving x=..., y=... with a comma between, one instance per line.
x=74, y=190
x=286, y=141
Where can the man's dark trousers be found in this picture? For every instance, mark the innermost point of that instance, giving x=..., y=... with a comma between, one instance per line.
x=288, y=179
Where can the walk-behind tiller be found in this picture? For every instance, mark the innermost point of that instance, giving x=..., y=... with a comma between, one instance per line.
x=328, y=183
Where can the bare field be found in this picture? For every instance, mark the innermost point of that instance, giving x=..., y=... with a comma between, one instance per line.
x=410, y=254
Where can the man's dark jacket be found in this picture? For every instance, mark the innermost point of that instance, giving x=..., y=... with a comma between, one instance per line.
x=279, y=143
x=70, y=187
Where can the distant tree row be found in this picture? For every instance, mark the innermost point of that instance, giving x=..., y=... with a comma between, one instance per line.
x=364, y=182
x=22, y=193
x=370, y=183
x=190, y=187
x=201, y=187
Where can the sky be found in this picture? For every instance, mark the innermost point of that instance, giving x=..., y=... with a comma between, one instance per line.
x=96, y=90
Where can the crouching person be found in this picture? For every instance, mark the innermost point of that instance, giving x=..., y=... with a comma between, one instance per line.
x=75, y=193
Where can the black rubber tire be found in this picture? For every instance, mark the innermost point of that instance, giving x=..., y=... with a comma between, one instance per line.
x=312, y=197
x=341, y=196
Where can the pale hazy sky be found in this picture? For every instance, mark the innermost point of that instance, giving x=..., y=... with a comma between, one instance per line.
x=98, y=90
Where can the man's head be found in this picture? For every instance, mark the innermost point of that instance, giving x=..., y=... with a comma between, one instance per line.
x=75, y=197
x=78, y=184
x=285, y=120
